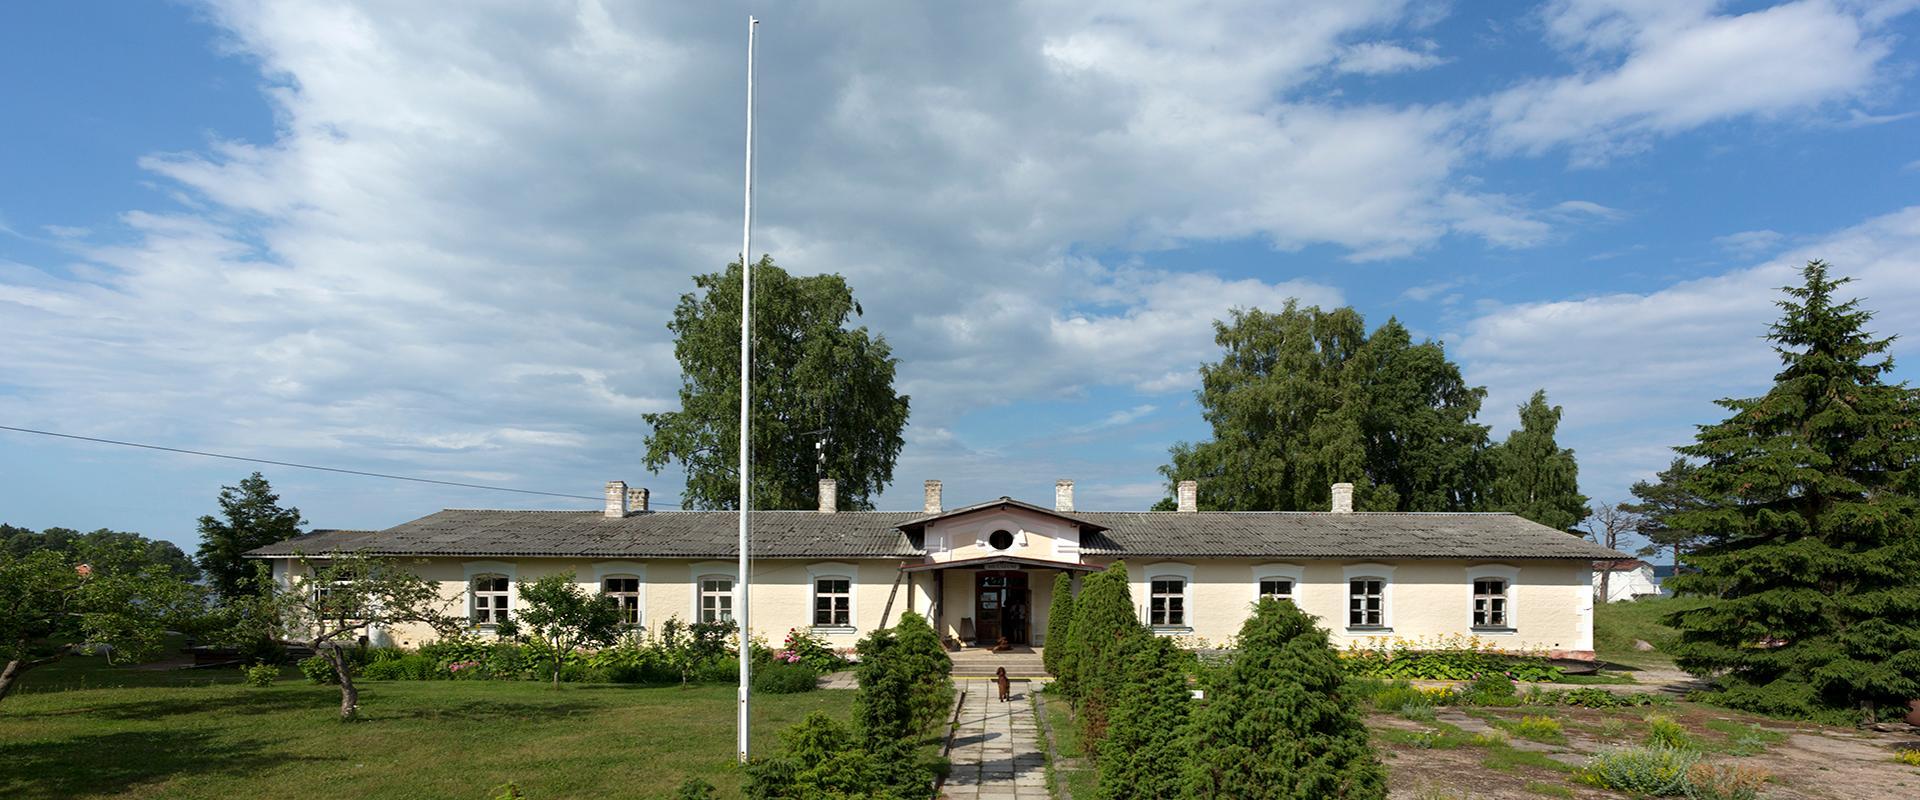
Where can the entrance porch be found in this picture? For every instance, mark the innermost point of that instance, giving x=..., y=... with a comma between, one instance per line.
x=981, y=604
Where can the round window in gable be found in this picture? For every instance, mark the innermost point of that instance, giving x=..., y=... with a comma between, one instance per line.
x=1000, y=540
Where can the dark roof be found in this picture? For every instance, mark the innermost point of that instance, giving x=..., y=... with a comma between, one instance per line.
x=879, y=534
x=918, y=523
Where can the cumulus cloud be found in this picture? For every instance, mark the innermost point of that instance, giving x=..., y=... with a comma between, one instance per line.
x=1654, y=67
x=1673, y=351
x=1385, y=58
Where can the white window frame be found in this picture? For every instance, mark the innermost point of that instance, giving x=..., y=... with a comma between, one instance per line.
x=1502, y=572
x=837, y=571
x=704, y=570
x=602, y=570
x=1144, y=589
x=1380, y=572
x=498, y=569
x=1280, y=572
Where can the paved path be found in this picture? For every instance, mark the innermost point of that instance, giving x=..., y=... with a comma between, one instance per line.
x=996, y=748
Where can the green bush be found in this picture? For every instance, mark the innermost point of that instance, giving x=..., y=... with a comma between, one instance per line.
x=1278, y=723
x=318, y=670
x=1539, y=729
x=780, y=677
x=928, y=667
x=1059, y=622
x=1642, y=771
x=695, y=789
x=1142, y=753
x=262, y=674
x=406, y=667
x=1491, y=689
x=804, y=647
x=1449, y=659
x=1102, y=615
x=1662, y=731
x=819, y=758
x=1588, y=697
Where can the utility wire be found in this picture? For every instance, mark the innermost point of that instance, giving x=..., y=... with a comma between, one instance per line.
x=305, y=466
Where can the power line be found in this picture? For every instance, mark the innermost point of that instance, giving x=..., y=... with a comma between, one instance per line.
x=304, y=466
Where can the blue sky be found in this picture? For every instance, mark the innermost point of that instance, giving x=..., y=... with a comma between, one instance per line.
x=445, y=242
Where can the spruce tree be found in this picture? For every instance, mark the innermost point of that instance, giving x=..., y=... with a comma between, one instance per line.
x=1101, y=616
x=1812, y=556
x=928, y=668
x=1534, y=476
x=1278, y=722
x=1059, y=623
x=1143, y=753
x=1662, y=500
x=252, y=518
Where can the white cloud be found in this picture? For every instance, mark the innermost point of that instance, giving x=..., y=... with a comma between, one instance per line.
x=1384, y=58
x=1748, y=244
x=1654, y=67
x=1633, y=370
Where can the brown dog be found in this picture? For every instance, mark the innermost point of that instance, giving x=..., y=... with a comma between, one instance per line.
x=1006, y=686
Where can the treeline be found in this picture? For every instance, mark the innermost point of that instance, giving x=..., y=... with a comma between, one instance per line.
x=1305, y=398
x=130, y=551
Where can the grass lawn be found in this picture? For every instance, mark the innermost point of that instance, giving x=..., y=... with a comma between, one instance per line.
x=455, y=739
x=1072, y=771
x=1616, y=625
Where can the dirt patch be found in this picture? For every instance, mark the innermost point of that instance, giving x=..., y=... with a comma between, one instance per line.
x=1442, y=759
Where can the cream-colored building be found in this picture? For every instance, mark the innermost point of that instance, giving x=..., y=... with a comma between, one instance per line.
x=987, y=571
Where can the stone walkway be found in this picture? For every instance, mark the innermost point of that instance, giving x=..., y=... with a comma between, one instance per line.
x=996, y=748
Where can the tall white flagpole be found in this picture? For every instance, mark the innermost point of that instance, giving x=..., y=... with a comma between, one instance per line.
x=746, y=387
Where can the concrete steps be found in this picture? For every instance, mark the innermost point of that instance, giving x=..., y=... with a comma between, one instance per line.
x=982, y=663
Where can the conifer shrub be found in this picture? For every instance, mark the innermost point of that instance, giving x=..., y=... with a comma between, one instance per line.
x=928, y=668
x=1059, y=623
x=1278, y=722
x=1102, y=616
x=818, y=758
x=1141, y=754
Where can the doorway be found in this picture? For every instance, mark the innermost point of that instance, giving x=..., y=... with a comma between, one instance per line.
x=1001, y=607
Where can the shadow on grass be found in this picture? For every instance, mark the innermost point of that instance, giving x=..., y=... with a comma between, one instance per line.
x=113, y=763
x=188, y=703
x=477, y=711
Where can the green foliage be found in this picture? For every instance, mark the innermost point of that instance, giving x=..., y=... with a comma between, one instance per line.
x=805, y=647
x=1641, y=771
x=832, y=378
x=1450, y=659
x=1538, y=729
x=319, y=670
x=1103, y=616
x=106, y=550
x=819, y=758
x=1910, y=758
x=1663, y=500
x=1534, y=476
x=250, y=517
x=262, y=675
x=917, y=653
x=1304, y=398
x=1663, y=731
x=1813, y=529
x=1587, y=697
x=1142, y=753
x=407, y=667
x=1278, y=722
x=564, y=617
x=1490, y=689
x=53, y=601
x=695, y=650
x=1059, y=623
x=695, y=789
x=780, y=677
x=508, y=791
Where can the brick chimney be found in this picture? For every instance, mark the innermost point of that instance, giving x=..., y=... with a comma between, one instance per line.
x=616, y=499
x=1188, y=495
x=1063, y=495
x=637, y=498
x=933, y=497
x=1343, y=498
x=829, y=495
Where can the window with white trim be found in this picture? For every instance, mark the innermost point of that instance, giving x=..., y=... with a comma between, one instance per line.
x=1490, y=603
x=832, y=602
x=1168, y=601
x=716, y=598
x=490, y=599
x=1276, y=588
x=624, y=591
x=1366, y=603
